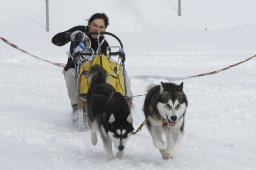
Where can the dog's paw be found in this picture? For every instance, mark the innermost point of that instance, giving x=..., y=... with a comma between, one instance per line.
x=94, y=139
x=172, y=153
x=159, y=144
x=110, y=157
x=165, y=155
x=120, y=154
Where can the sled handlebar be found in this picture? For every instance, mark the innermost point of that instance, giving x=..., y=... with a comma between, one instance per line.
x=119, y=53
x=83, y=53
x=108, y=33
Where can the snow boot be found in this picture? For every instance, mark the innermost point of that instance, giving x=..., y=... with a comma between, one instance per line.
x=74, y=114
x=82, y=114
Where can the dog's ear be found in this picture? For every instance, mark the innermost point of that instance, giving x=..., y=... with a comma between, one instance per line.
x=180, y=86
x=111, y=118
x=129, y=119
x=161, y=87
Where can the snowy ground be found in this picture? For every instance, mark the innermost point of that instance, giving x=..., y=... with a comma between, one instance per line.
x=36, y=130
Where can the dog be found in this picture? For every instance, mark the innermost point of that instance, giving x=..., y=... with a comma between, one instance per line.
x=164, y=109
x=108, y=114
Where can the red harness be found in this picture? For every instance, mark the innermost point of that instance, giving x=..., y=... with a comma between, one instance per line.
x=165, y=122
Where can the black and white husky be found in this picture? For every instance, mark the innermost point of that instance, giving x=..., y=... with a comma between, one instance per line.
x=108, y=114
x=164, y=109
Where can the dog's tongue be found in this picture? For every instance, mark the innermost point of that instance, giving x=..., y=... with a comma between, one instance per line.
x=172, y=123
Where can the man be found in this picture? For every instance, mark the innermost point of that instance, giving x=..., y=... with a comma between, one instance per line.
x=97, y=23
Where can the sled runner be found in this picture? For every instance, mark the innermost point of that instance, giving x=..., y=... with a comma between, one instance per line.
x=113, y=62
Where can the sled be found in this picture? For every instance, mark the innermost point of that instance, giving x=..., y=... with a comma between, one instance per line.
x=113, y=62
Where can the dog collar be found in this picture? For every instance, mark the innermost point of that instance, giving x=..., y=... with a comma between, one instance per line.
x=165, y=122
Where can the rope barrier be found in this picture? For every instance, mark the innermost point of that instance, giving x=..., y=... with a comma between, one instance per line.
x=32, y=55
x=144, y=76
x=198, y=75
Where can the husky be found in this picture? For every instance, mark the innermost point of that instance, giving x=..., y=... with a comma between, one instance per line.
x=164, y=109
x=108, y=114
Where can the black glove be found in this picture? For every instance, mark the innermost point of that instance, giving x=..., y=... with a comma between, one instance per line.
x=78, y=36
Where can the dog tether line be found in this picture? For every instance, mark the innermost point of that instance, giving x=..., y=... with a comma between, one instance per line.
x=140, y=127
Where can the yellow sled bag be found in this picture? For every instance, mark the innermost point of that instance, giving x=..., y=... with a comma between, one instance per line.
x=113, y=69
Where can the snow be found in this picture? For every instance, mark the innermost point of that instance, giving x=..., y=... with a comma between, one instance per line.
x=36, y=130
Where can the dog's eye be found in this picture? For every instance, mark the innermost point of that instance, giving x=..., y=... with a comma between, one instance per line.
x=177, y=107
x=167, y=106
x=116, y=136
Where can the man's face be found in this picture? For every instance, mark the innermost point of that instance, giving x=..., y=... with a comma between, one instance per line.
x=97, y=25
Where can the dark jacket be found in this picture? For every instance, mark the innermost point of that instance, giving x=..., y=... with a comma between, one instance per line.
x=63, y=38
